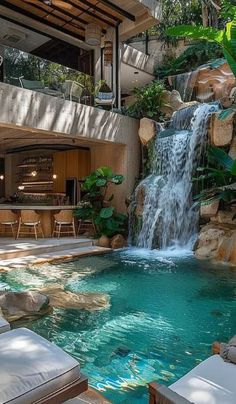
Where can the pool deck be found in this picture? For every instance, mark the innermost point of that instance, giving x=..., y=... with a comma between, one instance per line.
x=23, y=252
x=89, y=397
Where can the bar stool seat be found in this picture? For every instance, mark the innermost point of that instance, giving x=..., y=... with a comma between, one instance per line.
x=64, y=218
x=29, y=218
x=8, y=218
x=86, y=225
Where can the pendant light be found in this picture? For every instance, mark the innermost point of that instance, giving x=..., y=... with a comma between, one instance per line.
x=93, y=34
x=108, y=53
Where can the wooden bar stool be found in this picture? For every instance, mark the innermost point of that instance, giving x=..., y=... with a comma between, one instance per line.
x=29, y=219
x=62, y=219
x=10, y=219
x=85, y=225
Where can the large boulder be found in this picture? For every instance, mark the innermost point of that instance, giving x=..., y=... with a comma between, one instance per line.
x=104, y=241
x=60, y=298
x=221, y=130
x=227, y=250
x=172, y=102
x=118, y=241
x=147, y=130
x=209, y=210
x=225, y=217
x=18, y=305
x=217, y=242
x=208, y=241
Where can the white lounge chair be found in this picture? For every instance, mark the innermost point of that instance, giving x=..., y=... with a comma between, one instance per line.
x=211, y=382
x=33, y=370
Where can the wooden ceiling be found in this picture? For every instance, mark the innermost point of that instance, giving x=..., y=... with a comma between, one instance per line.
x=71, y=16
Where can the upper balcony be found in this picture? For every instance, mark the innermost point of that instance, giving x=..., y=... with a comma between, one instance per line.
x=25, y=70
x=38, y=96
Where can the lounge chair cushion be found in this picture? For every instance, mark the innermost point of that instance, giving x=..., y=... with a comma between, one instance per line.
x=31, y=367
x=4, y=325
x=211, y=382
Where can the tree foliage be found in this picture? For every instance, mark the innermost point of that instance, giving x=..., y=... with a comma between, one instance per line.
x=21, y=64
x=175, y=12
x=148, y=101
x=189, y=60
x=218, y=178
x=226, y=37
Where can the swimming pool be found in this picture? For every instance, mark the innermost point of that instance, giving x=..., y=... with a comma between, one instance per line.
x=166, y=309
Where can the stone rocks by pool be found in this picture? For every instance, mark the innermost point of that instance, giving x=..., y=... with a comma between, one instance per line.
x=60, y=298
x=17, y=305
x=34, y=304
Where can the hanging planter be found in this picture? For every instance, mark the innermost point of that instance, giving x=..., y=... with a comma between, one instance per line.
x=108, y=53
x=93, y=34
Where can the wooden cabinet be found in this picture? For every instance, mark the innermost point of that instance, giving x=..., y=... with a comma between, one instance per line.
x=72, y=163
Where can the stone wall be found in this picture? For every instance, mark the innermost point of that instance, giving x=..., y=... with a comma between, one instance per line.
x=217, y=238
x=209, y=83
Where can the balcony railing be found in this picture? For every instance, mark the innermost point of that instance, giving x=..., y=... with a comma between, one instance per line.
x=33, y=73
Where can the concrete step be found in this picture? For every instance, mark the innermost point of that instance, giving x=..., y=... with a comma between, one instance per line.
x=51, y=257
x=10, y=249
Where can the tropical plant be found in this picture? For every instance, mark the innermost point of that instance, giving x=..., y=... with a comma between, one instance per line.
x=96, y=204
x=193, y=57
x=218, y=179
x=226, y=37
x=101, y=86
x=148, y=101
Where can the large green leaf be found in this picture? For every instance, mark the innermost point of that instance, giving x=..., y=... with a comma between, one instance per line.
x=106, y=212
x=226, y=113
x=233, y=169
x=101, y=182
x=117, y=179
x=104, y=171
x=197, y=32
x=229, y=44
x=221, y=157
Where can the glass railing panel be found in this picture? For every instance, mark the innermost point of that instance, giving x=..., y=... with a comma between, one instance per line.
x=25, y=70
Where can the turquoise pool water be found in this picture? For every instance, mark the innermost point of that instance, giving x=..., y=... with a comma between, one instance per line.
x=166, y=309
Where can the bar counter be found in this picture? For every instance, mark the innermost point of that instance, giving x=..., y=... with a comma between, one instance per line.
x=46, y=213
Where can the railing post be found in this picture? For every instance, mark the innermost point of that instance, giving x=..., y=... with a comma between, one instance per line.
x=117, y=68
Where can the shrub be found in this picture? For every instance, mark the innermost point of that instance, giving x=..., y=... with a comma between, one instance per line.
x=148, y=101
x=96, y=204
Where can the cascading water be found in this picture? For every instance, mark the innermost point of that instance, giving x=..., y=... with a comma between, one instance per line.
x=184, y=83
x=169, y=215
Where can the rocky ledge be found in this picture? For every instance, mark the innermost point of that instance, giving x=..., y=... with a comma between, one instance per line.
x=217, y=239
x=30, y=305
x=60, y=298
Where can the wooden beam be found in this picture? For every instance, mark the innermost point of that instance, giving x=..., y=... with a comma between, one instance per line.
x=41, y=20
x=90, y=13
x=55, y=8
x=118, y=9
x=101, y=11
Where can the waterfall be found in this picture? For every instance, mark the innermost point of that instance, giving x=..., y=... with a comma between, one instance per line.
x=169, y=215
x=184, y=83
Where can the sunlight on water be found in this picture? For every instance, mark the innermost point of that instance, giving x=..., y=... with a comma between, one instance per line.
x=166, y=309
